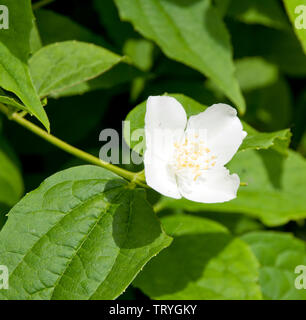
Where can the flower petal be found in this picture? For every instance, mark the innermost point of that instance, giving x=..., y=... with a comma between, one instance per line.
x=165, y=112
x=159, y=176
x=215, y=186
x=222, y=130
x=165, y=122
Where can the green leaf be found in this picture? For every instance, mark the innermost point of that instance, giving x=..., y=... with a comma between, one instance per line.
x=54, y=27
x=12, y=102
x=255, y=72
x=254, y=140
x=278, y=254
x=119, y=74
x=141, y=53
x=297, y=18
x=204, y=262
x=65, y=64
x=268, y=13
x=279, y=140
x=35, y=40
x=275, y=193
x=236, y=223
x=190, y=32
x=83, y=234
x=11, y=184
x=14, y=52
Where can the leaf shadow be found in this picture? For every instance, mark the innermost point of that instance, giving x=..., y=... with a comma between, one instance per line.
x=4, y=209
x=134, y=224
x=273, y=163
x=182, y=264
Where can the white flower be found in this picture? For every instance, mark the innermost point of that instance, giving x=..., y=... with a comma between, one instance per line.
x=186, y=158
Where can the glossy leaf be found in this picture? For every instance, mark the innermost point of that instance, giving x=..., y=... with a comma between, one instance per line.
x=83, y=234
x=190, y=32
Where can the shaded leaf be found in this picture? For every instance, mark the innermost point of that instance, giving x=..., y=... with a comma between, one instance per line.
x=195, y=265
x=3, y=211
x=12, y=102
x=255, y=72
x=270, y=108
x=277, y=46
x=268, y=13
x=54, y=27
x=11, y=184
x=117, y=30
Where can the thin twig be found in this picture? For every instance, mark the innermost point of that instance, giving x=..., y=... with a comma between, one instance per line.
x=131, y=176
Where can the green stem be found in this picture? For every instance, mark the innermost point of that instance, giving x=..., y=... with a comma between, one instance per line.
x=134, y=177
x=41, y=4
x=131, y=176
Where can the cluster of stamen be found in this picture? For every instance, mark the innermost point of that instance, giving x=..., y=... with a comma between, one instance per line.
x=192, y=154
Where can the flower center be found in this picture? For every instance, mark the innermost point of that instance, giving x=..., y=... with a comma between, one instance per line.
x=192, y=156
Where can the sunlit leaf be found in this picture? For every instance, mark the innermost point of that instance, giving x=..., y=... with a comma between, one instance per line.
x=278, y=254
x=296, y=10
x=83, y=234
x=190, y=32
x=63, y=65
